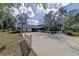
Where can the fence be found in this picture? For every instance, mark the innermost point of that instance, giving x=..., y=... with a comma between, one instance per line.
x=26, y=46
x=28, y=39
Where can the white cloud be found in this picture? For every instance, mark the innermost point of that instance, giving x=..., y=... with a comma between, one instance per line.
x=36, y=12
x=23, y=9
x=30, y=12
x=51, y=6
x=39, y=10
x=64, y=4
x=40, y=7
x=56, y=6
x=32, y=22
x=14, y=11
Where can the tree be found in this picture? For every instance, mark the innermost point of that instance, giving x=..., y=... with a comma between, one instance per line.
x=71, y=20
x=62, y=14
x=48, y=21
x=22, y=19
x=5, y=14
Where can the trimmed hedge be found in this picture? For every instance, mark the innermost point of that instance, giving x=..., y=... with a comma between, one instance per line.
x=70, y=32
x=75, y=27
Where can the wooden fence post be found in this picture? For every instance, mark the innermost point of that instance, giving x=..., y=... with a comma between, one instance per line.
x=30, y=40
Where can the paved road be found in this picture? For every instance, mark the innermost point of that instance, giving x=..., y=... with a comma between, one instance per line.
x=57, y=44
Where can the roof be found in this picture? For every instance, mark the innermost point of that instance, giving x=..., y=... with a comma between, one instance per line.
x=29, y=26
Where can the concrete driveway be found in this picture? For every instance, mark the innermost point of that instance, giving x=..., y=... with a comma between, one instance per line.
x=58, y=44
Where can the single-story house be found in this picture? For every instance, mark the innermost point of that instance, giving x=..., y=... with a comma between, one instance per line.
x=29, y=28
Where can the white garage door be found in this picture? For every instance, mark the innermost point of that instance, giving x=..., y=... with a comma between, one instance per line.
x=29, y=30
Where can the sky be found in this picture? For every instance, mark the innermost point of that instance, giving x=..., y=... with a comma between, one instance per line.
x=72, y=6
x=36, y=12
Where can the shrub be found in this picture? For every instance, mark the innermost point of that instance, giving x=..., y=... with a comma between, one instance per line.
x=0, y=26
x=75, y=27
x=75, y=33
x=70, y=32
x=67, y=32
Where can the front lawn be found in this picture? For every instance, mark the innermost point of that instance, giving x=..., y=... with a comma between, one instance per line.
x=9, y=44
